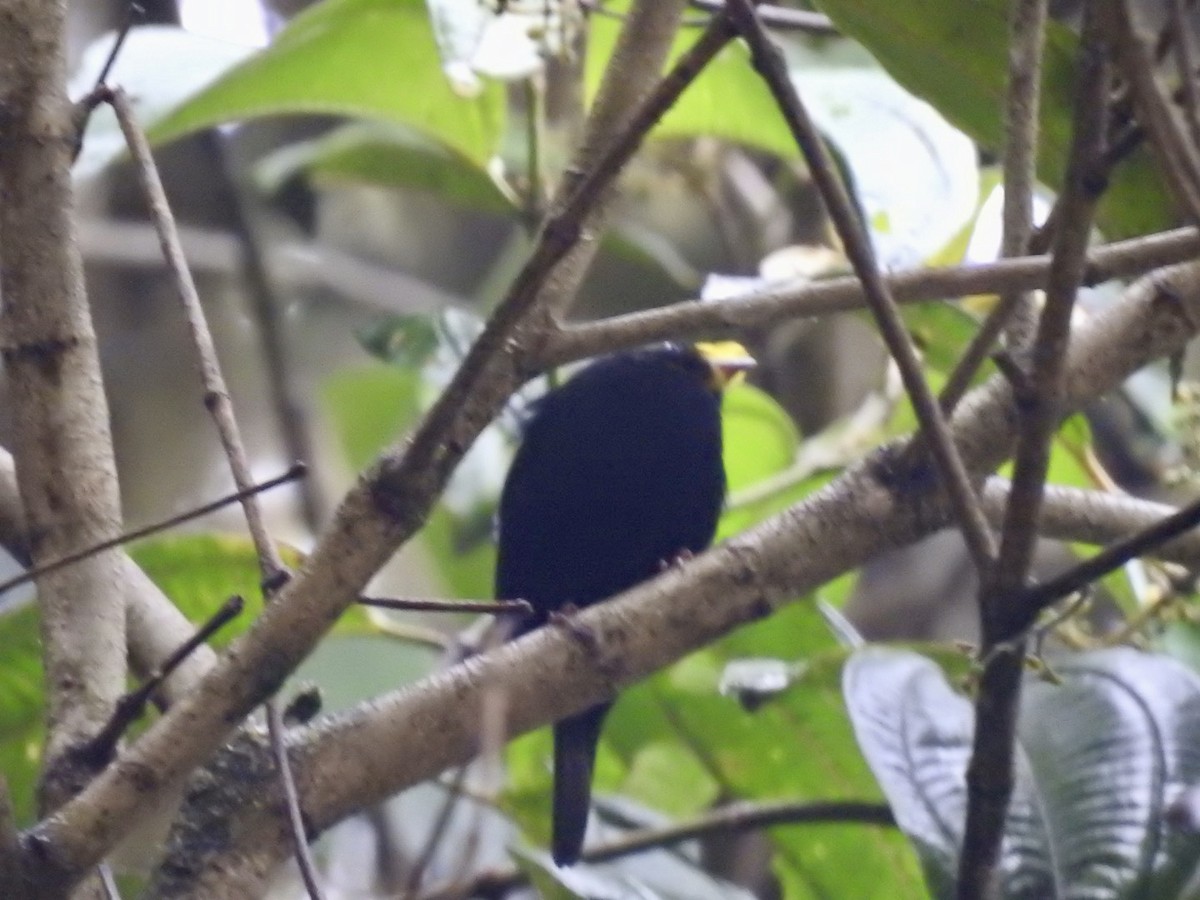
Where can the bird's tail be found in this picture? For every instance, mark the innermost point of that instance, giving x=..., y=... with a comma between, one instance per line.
x=575, y=741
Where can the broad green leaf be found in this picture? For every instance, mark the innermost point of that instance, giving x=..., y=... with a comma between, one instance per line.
x=372, y=59
x=369, y=406
x=798, y=745
x=1100, y=758
x=942, y=332
x=760, y=443
x=955, y=55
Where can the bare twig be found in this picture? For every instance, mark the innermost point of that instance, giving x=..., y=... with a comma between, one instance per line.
x=107, y=882
x=296, y=471
x=97, y=95
x=934, y=429
x=131, y=706
x=734, y=818
x=132, y=13
x=437, y=831
x=1014, y=310
x=1145, y=542
x=420, y=604
x=1122, y=258
x=1178, y=158
x=285, y=388
x=1027, y=28
x=217, y=400
x=1040, y=410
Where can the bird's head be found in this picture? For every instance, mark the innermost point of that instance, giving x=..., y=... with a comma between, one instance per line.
x=728, y=361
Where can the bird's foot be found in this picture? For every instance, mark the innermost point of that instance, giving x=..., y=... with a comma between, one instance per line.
x=566, y=619
x=677, y=561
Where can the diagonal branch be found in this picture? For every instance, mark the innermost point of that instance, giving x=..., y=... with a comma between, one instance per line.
x=771, y=65
x=1040, y=396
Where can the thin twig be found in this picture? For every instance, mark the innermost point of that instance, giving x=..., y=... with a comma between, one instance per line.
x=287, y=398
x=1027, y=28
x=130, y=707
x=1014, y=311
x=1178, y=158
x=1040, y=410
x=735, y=818
x=771, y=65
x=83, y=110
x=1111, y=558
x=296, y=471
x=217, y=401
x=133, y=11
x=421, y=604
x=844, y=294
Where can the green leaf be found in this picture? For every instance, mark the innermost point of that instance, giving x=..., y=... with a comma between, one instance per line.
x=1101, y=756
x=21, y=708
x=760, y=441
x=955, y=55
x=373, y=59
x=369, y=406
x=728, y=100
x=799, y=745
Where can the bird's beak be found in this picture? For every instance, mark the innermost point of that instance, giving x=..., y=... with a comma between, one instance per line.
x=729, y=361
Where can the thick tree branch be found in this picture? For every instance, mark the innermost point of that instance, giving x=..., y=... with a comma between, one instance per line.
x=62, y=444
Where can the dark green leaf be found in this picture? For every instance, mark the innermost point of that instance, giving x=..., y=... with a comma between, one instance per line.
x=1101, y=757
x=955, y=55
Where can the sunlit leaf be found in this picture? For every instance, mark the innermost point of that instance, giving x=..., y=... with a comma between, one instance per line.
x=373, y=59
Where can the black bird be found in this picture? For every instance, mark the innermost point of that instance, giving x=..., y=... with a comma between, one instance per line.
x=619, y=473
